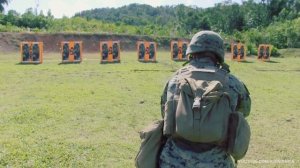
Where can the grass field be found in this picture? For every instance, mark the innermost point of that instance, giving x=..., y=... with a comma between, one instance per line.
x=89, y=114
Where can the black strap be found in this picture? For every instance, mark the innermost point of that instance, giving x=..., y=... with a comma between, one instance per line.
x=193, y=146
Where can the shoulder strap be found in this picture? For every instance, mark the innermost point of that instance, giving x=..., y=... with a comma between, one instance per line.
x=198, y=92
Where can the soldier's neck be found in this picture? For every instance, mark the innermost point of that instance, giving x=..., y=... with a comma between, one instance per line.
x=202, y=62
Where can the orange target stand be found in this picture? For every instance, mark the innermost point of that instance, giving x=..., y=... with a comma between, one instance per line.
x=71, y=51
x=31, y=52
x=238, y=52
x=264, y=52
x=110, y=52
x=146, y=51
x=178, y=50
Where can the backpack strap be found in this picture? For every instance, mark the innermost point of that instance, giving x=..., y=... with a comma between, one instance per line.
x=197, y=92
x=215, y=85
x=207, y=94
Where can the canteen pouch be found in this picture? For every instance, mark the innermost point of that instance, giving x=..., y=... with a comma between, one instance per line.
x=238, y=135
x=152, y=141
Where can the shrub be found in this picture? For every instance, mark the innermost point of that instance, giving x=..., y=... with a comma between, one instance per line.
x=252, y=49
x=275, y=52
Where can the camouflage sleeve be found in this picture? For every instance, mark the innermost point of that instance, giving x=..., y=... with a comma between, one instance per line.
x=163, y=99
x=168, y=92
x=241, y=96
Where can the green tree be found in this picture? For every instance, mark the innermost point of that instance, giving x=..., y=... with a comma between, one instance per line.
x=256, y=14
x=12, y=18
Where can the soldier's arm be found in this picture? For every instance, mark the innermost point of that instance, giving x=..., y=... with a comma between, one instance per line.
x=163, y=99
x=244, y=101
x=241, y=96
x=168, y=92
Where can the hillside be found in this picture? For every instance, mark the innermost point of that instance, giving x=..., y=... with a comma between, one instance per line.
x=225, y=17
x=11, y=41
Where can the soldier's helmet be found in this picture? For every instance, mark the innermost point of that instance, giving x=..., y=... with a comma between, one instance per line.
x=207, y=41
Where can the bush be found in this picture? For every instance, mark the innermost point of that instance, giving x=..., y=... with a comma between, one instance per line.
x=275, y=52
x=227, y=47
x=252, y=49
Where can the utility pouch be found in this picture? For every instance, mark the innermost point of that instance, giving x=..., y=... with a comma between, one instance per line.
x=152, y=142
x=238, y=135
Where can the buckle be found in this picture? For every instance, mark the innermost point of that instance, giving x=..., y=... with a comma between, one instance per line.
x=196, y=105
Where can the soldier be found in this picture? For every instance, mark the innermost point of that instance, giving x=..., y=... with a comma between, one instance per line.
x=206, y=52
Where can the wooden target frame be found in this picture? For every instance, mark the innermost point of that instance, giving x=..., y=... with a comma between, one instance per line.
x=238, y=51
x=31, y=52
x=178, y=50
x=110, y=51
x=146, y=51
x=71, y=51
x=264, y=52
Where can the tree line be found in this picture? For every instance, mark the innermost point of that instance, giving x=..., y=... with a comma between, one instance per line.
x=253, y=21
x=226, y=17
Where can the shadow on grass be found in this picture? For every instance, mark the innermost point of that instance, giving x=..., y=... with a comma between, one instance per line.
x=68, y=63
x=148, y=62
x=20, y=63
x=246, y=62
x=272, y=62
x=152, y=70
x=114, y=62
x=278, y=70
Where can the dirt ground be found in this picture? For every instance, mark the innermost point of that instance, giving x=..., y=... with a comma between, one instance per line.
x=10, y=42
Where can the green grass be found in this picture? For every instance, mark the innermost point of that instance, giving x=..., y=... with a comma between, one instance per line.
x=89, y=114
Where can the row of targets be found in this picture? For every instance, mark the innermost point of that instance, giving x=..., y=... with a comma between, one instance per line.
x=110, y=51
x=238, y=52
x=178, y=50
x=146, y=51
x=264, y=52
x=71, y=51
x=31, y=52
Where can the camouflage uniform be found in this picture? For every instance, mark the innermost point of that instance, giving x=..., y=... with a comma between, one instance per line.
x=175, y=156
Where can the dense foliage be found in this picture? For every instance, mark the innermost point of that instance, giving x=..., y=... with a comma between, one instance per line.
x=253, y=22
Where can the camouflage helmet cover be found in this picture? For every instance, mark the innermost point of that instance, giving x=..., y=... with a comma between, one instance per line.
x=207, y=41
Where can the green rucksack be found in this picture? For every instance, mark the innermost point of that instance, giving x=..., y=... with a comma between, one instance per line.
x=200, y=110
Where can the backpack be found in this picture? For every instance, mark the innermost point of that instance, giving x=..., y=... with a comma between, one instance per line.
x=203, y=106
x=200, y=111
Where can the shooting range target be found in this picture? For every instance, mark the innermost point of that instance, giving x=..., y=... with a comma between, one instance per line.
x=71, y=51
x=264, y=52
x=238, y=51
x=110, y=51
x=178, y=50
x=146, y=51
x=31, y=52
